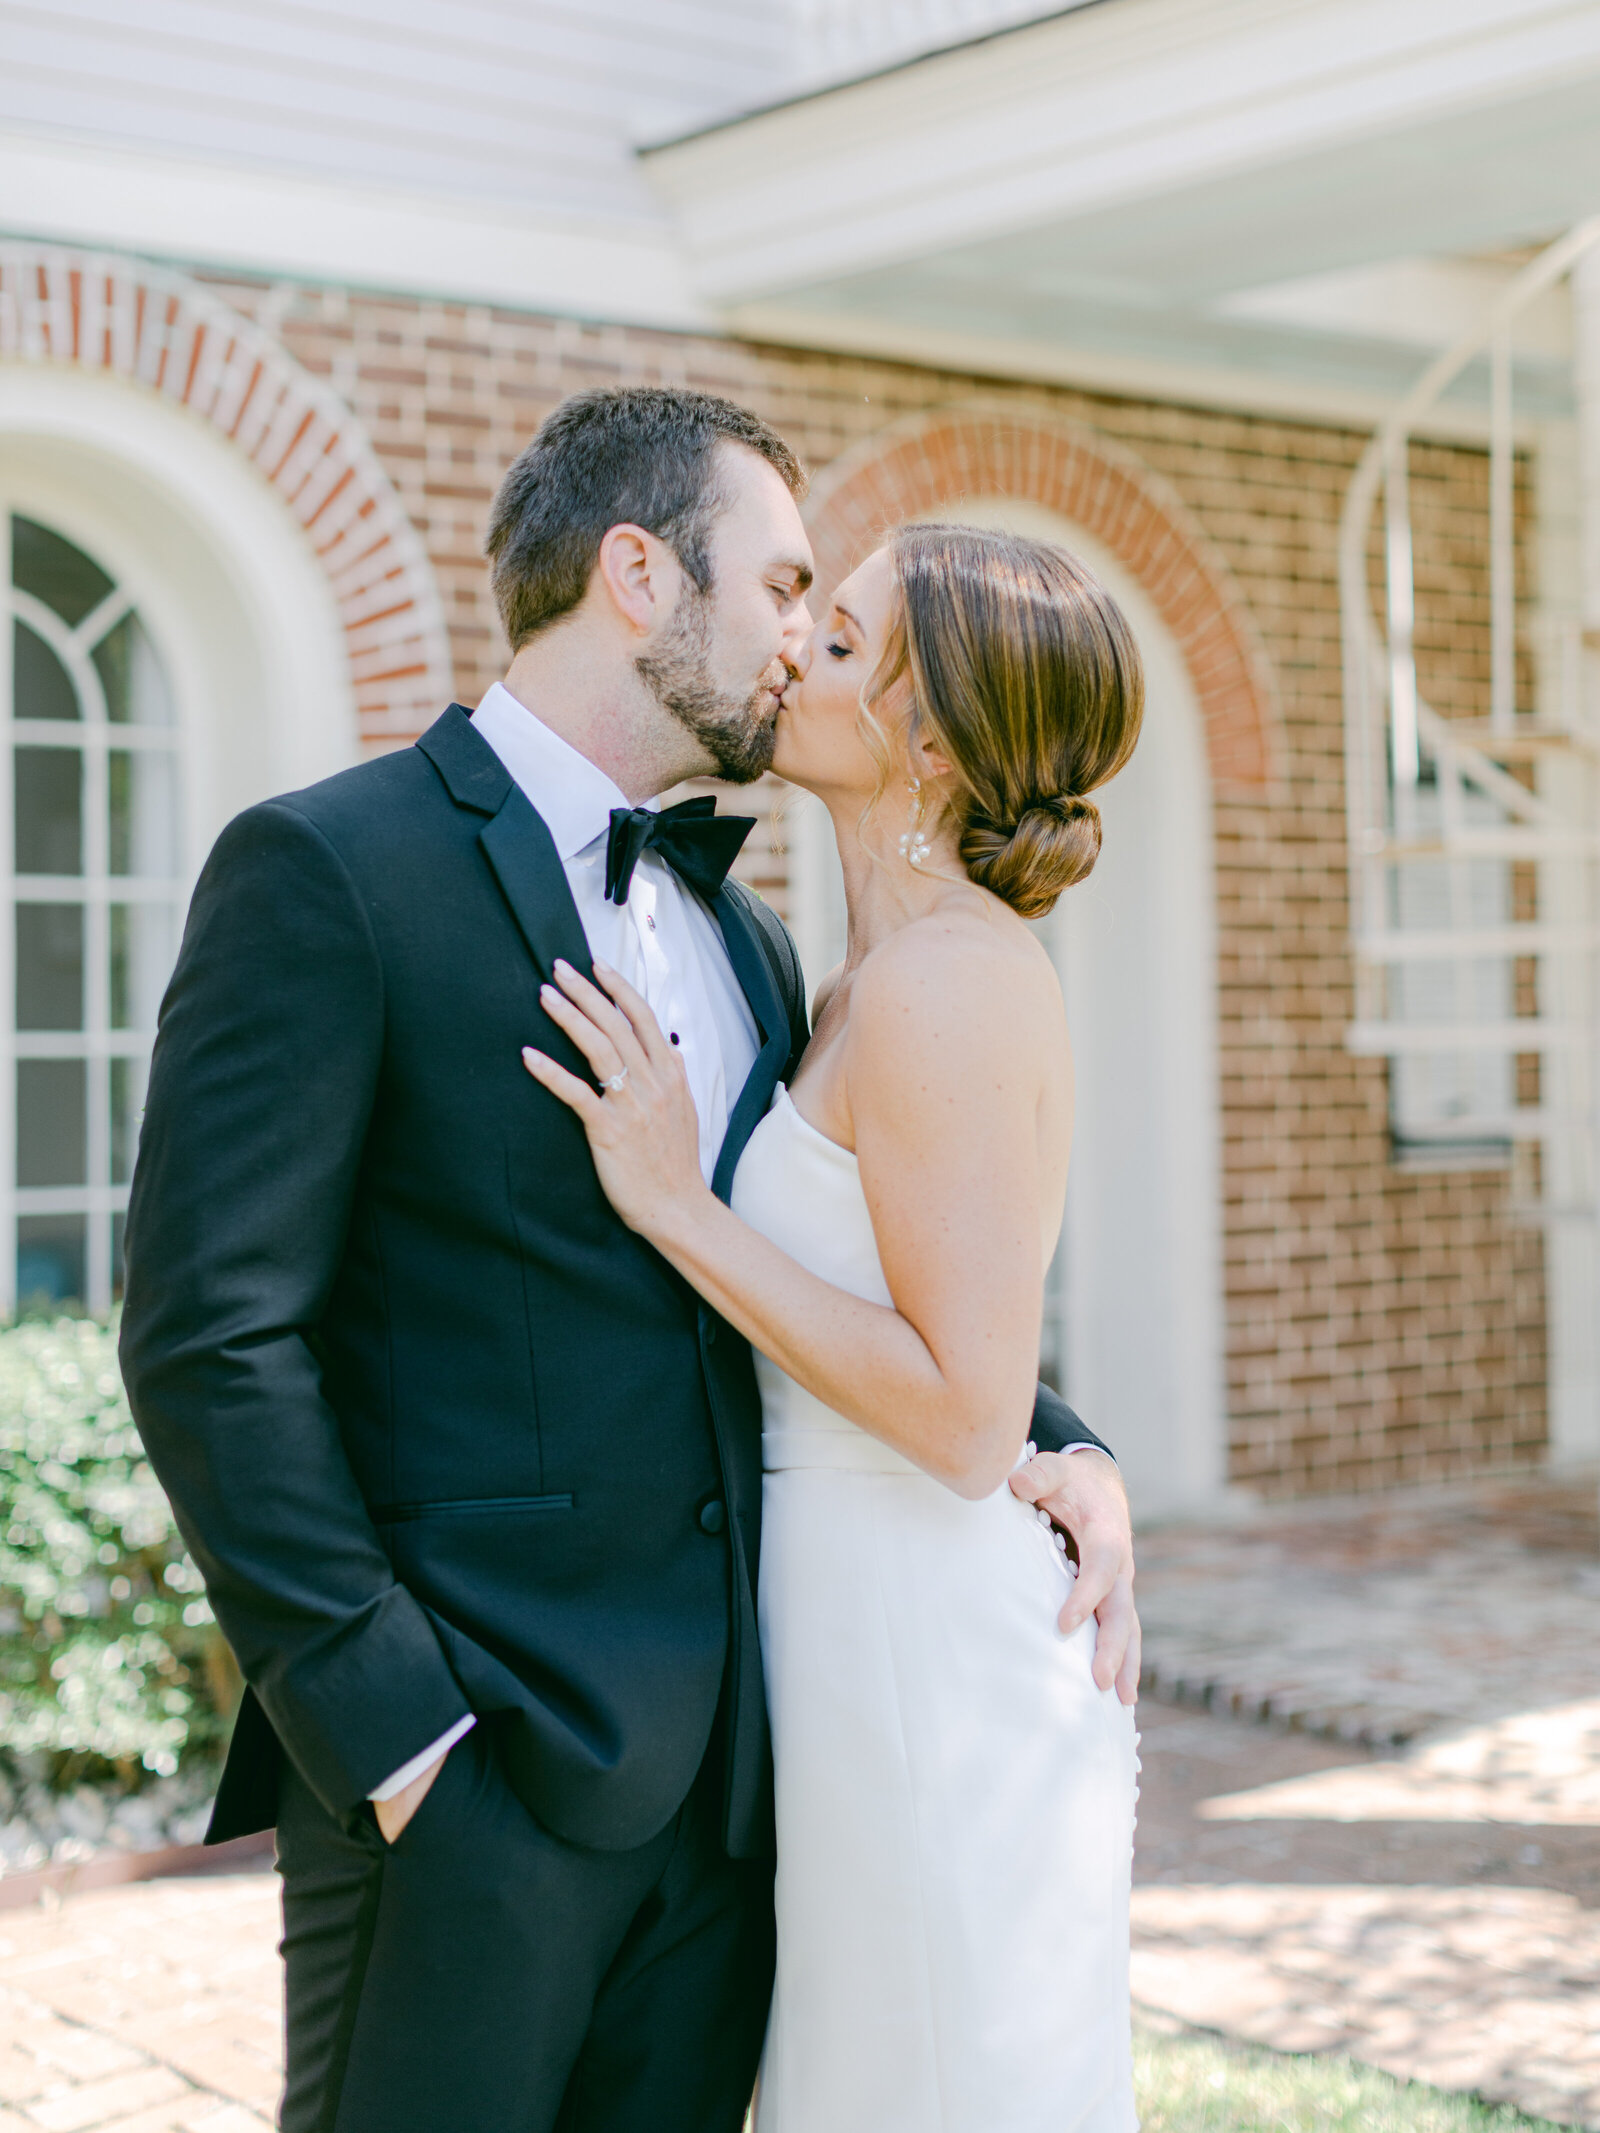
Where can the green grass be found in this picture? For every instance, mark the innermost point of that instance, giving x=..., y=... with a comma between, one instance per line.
x=1189, y=2083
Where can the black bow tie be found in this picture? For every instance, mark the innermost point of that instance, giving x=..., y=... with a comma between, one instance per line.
x=692, y=838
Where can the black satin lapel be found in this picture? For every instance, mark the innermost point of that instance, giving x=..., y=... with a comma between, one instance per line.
x=529, y=870
x=473, y=774
x=754, y=972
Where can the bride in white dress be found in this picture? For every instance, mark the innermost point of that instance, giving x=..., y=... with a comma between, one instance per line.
x=954, y=1792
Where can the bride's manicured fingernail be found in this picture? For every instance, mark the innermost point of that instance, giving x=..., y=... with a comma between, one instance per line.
x=605, y=970
x=529, y=1055
x=564, y=968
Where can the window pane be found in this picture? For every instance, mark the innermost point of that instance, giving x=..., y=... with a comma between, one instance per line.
x=50, y=1260
x=41, y=687
x=49, y=966
x=55, y=572
x=142, y=954
x=144, y=813
x=51, y=1148
x=127, y=1109
x=119, y=1262
x=130, y=674
x=49, y=801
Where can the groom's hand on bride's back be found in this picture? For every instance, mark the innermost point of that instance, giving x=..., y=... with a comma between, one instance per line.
x=1083, y=1493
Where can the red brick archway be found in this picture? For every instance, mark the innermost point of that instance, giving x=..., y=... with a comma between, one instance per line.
x=165, y=332
x=954, y=453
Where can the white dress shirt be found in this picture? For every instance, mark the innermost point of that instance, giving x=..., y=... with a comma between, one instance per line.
x=663, y=940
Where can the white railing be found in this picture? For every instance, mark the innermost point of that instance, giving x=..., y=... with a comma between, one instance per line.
x=1455, y=986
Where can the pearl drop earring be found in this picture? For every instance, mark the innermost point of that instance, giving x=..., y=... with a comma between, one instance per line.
x=914, y=846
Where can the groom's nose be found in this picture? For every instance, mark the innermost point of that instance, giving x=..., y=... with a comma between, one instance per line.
x=796, y=653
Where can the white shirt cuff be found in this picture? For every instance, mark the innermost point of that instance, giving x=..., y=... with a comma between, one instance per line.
x=418, y=1763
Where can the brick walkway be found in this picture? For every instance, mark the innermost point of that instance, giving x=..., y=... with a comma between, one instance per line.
x=1460, y=1952
x=143, y=2010
x=1435, y=1911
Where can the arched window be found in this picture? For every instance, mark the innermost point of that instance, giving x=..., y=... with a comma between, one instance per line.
x=96, y=878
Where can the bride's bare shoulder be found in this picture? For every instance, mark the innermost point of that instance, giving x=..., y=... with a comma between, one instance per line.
x=966, y=980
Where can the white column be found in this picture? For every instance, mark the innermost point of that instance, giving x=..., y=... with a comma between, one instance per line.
x=1570, y=516
x=1586, y=388
x=816, y=888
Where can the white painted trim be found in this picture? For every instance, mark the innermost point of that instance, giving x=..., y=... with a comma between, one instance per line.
x=94, y=889
x=361, y=236
x=1087, y=111
x=1425, y=305
x=1247, y=392
x=227, y=583
x=246, y=625
x=1136, y=944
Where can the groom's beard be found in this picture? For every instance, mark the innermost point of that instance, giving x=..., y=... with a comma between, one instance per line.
x=738, y=733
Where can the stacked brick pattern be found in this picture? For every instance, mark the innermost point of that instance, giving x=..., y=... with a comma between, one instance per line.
x=134, y=321
x=1380, y=1325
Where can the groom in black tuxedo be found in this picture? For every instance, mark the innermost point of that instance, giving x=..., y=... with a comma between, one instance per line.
x=473, y=1476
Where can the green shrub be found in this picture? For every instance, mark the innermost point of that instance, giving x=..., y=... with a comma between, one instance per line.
x=110, y=1657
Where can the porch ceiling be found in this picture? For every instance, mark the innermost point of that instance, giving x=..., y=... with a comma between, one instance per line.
x=1129, y=177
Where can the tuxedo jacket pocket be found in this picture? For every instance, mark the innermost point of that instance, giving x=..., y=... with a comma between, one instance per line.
x=396, y=1514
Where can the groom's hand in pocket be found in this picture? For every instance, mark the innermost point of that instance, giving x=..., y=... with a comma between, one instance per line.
x=393, y=1814
x=1083, y=1493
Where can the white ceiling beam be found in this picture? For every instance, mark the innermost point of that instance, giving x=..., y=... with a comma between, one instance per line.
x=361, y=236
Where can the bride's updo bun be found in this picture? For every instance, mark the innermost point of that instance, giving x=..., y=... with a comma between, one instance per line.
x=1024, y=673
x=1029, y=862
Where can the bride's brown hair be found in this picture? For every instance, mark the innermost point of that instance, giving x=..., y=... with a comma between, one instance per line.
x=1024, y=673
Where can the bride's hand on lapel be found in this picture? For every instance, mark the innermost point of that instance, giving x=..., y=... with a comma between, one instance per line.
x=643, y=1131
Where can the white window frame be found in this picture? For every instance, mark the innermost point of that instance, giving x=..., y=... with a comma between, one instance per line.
x=95, y=736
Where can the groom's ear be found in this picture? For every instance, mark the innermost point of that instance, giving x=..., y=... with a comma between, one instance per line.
x=639, y=576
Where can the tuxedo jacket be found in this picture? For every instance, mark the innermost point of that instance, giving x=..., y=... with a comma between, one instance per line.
x=440, y=1431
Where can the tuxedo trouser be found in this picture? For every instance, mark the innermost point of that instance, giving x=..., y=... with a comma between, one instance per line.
x=484, y=1976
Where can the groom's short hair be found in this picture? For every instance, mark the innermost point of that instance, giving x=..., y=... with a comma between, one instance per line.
x=639, y=455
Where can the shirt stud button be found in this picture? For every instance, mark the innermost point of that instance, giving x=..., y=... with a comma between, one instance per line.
x=650, y=922
x=674, y=1036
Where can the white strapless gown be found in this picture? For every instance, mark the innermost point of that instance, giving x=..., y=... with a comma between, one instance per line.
x=955, y=1796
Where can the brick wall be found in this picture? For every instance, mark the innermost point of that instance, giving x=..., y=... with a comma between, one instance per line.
x=1380, y=1325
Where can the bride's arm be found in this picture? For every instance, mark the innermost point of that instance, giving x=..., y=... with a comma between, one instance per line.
x=943, y=1087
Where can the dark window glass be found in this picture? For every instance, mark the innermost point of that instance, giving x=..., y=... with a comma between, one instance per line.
x=51, y=1146
x=49, y=966
x=142, y=829
x=62, y=576
x=121, y=974
x=49, y=811
x=50, y=1260
x=130, y=674
x=41, y=687
x=141, y=962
